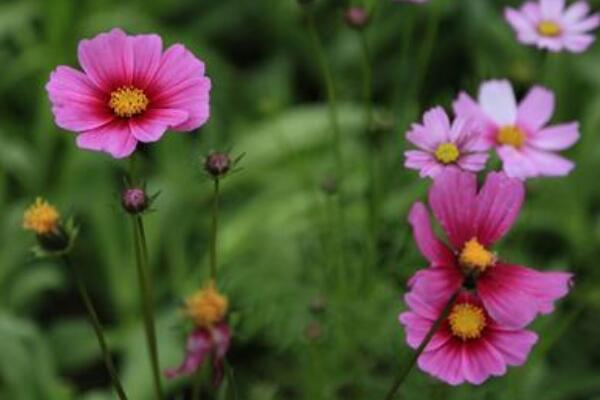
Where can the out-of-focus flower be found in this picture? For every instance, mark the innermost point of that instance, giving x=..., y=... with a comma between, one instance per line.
x=473, y=221
x=211, y=336
x=356, y=17
x=519, y=133
x=129, y=91
x=547, y=24
x=469, y=346
x=54, y=238
x=443, y=144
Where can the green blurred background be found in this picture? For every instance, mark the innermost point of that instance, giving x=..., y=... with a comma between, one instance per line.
x=310, y=322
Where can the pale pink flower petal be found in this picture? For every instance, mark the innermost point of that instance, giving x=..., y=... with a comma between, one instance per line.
x=557, y=137
x=536, y=109
x=430, y=246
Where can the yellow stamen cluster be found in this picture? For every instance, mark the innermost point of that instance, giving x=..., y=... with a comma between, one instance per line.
x=511, y=135
x=549, y=28
x=447, y=153
x=128, y=101
x=41, y=217
x=476, y=257
x=207, y=306
x=466, y=321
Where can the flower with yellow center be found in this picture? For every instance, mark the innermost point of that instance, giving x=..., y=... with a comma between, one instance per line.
x=128, y=101
x=467, y=321
x=207, y=306
x=511, y=135
x=447, y=153
x=549, y=28
x=476, y=257
x=41, y=217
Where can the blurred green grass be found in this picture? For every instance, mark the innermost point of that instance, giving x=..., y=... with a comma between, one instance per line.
x=303, y=330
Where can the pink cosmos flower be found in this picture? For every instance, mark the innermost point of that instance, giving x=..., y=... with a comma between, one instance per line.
x=203, y=342
x=443, y=144
x=469, y=346
x=473, y=221
x=519, y=133
x=129, y=91
x=547, y=24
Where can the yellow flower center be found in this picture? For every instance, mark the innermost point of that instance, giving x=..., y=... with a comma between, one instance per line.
x=447, y=153
x=207, y=306
x=41, y=217
x=476, y=257
x=128, y=101
x=511, y=135
x=549, y=28
x=466, y=321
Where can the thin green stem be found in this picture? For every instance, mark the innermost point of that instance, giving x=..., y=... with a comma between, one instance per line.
x=95, y=321
x=413, y=360
x=215, y=230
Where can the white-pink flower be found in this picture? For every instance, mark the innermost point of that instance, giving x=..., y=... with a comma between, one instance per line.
x=442, y=144
x=548, y=24
x=519, y=133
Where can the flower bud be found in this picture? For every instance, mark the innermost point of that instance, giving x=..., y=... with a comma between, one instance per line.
x=356, y=17
x=134, y=200
x=217, y=164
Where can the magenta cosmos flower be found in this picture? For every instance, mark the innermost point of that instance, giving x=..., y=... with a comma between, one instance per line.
x=443, y=144
x=473, y=221
x=547, y=24
x=129, y=91
x=519, y=133
x=469, y=346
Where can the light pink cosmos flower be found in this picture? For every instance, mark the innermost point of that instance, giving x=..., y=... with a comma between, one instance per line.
x=519, y=133
x=469, y=346
x=547, y=24
x=202, y=343
x=443, y=144
x=129, y=91
x=473, y=221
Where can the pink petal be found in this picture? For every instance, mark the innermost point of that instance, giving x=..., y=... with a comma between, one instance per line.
x=481, y=360
x=473, y=162
x=430, y=246
x=198, y=347
x=497, y=100
x=152, y=125
x=452, y=198
x=536, y=108
x=147, y=53
x=436, y=284
x=444, y=363
x=113, y=138
x=77, y=104
x=498, y=204
x=557, y=137
x=515, y=163
x=107, y=59
x=514, y=345
x=180, y=84
x=547, y=163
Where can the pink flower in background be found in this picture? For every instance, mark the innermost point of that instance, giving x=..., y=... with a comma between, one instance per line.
x=519, y=133
x=129, y=91
x=473, y=221
x=469, y=346
x=547, y=24
x=211, y=341
x=444, y=145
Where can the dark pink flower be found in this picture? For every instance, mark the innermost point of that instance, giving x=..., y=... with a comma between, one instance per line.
x=519, y=133
x=442, y=144
x=129, y=91
x=205, y=342
x=469, y=346
x=473, y=221
x=548, y=24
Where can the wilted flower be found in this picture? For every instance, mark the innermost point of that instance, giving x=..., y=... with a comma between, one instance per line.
x=469, y=345
x=130, y=91
x=519, y=132
x=473, y=221
x=547, y=24
x=53, y=237
x=211, y=336
x=443, y=144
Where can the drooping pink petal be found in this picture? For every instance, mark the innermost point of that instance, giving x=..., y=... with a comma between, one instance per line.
x=430, y=246
x=497, y=100
x=114, y=138
x=452, y=198
x=514, y=345
x=155, y=122
x=547, y=163
x=147, y=53
x=107, y=59
x=199, y=346
x=444, y=363
x=498, y=204
x=481, y=360
x=535, y=109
